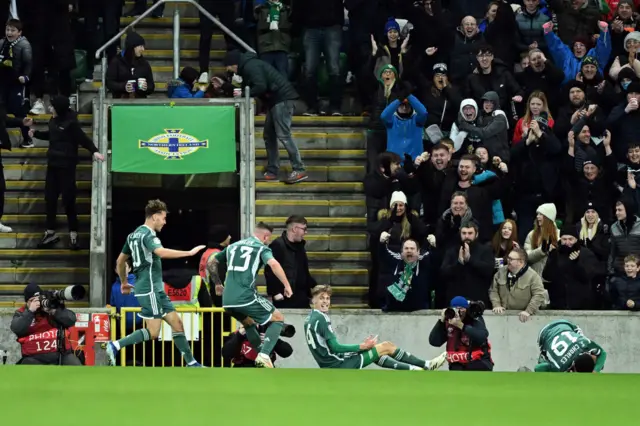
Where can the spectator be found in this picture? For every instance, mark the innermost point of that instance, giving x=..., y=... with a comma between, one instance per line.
x=398, y=224
x=500, y=25
x=224, y=10
x=467, y=268
x=570, y=273
x=463, y=142
x=48, y=26
x=322, y=22
x=599, y=90
x=623, y=120
x=517, y=287
x=594, y=235
x=537, y=115
x=625, y=78
x=129, y=74
x=404, y=119
x=625, y=237
x=392, y=52
x=185, y=86
x=479, y=197
x=219, y=87
x=541, y=76
x=623, y=21
x=628, y=60
x=289, y=250
x=544, y=236
x=274, y=38
x=579, y=107
x=493, y=76
x=504, y=241
x=278, y=94
x=570, y=58
x=626, y=289
x=466, y=42
x=404, y=278
x=530, y=33
x=431, y=173
x=16, y=63
x=140, y=6
x=448, y=227
x=441, y=99
x=65, y=136
x=119, y=300
x=576, y=18
x=387, y=92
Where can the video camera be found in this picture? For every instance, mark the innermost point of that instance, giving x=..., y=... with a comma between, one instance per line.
x=475, y=310
x=55, y=299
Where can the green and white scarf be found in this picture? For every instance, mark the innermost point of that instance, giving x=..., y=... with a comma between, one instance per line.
x=400, y=288
x=275, y=6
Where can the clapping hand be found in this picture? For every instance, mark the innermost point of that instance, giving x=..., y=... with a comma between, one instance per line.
x=571, y=137
x=631, y=180
x=374, y=46
x=405, y=44
x=574, y=255
x=607, y=138
x=431, y=51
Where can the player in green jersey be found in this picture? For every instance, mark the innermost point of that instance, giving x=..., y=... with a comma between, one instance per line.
x=145, y=250
x=563, y=348
x=240, y=298
x=328, y=353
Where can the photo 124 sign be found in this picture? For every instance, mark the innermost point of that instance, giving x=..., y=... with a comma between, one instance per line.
x=173, y=140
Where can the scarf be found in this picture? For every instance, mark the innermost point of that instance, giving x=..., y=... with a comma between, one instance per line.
x=400, y=288
x=512, y=279
x=6, y=56
x=275, y=6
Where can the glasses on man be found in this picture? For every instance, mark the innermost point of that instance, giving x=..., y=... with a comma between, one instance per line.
x=484, y=55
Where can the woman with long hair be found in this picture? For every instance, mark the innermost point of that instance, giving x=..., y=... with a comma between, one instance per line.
x=398, y=223
x=537, y=110
x=504, y=241
x=543, y=238
x=594, y=235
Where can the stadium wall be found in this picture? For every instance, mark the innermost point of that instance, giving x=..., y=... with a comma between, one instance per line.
x=514, y=344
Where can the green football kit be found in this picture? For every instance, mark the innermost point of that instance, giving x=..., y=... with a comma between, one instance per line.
x=561, y=342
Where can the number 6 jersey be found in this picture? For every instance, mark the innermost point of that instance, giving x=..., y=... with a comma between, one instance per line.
x=147, y=266
x=244, y=259
x=561, y=342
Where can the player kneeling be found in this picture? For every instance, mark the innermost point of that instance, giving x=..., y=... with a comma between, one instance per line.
x=563, y=348
x=328, y=353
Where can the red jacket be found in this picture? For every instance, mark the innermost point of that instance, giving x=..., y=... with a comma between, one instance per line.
x=518, y=133
x=42, y=338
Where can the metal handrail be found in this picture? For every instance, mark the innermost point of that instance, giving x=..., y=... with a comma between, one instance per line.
x=161, y=2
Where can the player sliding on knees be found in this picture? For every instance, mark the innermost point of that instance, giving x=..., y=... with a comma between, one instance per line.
x=241, y=299
x=328, y=353
x=564, y=348
x=146, y=251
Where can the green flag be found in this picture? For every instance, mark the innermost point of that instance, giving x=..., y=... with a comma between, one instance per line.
x=173, y=139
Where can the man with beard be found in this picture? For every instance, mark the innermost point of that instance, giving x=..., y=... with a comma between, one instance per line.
x=542, y=75
x=625, y=236
x=431, y=175
x=577, y=108
x=569, y=273
x=599, y=90
x=624, y=118
x=467, y=269
x=479, y=198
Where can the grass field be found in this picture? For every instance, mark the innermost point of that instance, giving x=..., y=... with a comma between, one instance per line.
x=99, y=396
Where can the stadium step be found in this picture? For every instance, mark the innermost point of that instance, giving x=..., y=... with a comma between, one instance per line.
x=29, y=240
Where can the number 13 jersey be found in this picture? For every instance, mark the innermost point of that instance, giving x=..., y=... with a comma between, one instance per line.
x=147, y=266
x=561, y=342
x=244, y=259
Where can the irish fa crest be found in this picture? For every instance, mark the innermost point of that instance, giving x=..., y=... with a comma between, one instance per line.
x=173, y=144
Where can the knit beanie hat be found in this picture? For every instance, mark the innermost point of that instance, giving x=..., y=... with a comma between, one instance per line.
x=133, y=40
x=635, y=35
x=576, y=84
x=232, y=58
x=61, y=104
x=592, y=206
x=634, y=87
x=440, y=69
x=391, y=25
x=569, y=230
x=385, y=68
x=30, y=290
x=217, y=234
x=548, y=210
x=459, y=302
x=397, y=197
x=627, y=73
x=589, y=60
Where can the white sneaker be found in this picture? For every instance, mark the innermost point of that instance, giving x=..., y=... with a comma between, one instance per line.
x=73, y=102
x=413, y=367
x=263, y=361
x=438, y=361
x=38, y=108
x=5, y=228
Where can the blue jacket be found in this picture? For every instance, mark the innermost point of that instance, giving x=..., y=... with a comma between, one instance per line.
x=119, y=300
x=498, y=211
x=405, y=135
x=180, y=89
x=564, y=58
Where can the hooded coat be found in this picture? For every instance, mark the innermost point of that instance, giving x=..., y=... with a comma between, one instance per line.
x=463, y=142
x=404, y=134
x=126, y=67
x=625, y=239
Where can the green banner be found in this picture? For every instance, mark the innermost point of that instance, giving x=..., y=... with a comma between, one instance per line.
x=173, y=140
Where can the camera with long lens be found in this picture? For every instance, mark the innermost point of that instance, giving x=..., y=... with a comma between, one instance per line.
x=55, y=299
x=475, y=310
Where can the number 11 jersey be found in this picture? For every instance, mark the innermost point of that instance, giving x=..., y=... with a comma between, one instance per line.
x=244, y=259
x=147, y=266
x=561, y=342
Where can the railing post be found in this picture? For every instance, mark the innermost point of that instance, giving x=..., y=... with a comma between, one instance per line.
x=176, y=42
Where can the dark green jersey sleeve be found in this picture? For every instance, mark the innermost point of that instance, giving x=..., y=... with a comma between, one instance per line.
x=266, y=255
x=126, y=249
x=326, y=332
x=151, y=242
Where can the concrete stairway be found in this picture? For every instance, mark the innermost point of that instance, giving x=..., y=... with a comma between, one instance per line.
x=21, y=261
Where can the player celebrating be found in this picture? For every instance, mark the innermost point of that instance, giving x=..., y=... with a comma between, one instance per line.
x=146, y=251
x=328, y=353
x=563, y=348
x=240, y=297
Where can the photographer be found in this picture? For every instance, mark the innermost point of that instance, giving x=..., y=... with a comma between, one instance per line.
x=37, y=325
x=462, y=328
x=238, y=349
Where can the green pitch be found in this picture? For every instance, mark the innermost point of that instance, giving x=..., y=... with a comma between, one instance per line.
x=99, y=396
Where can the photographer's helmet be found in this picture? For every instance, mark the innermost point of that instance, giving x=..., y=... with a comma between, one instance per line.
x=31, y=290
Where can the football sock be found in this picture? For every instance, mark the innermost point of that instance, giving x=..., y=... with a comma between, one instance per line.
x=253, y=336
x=138, y=336
x=406, y=357
x=386, y=362
x=271, y=337
x=183, y=346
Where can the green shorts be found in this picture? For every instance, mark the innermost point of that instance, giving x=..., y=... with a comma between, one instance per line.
x=260, y=310
x=360, y=360
x=154, y=305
